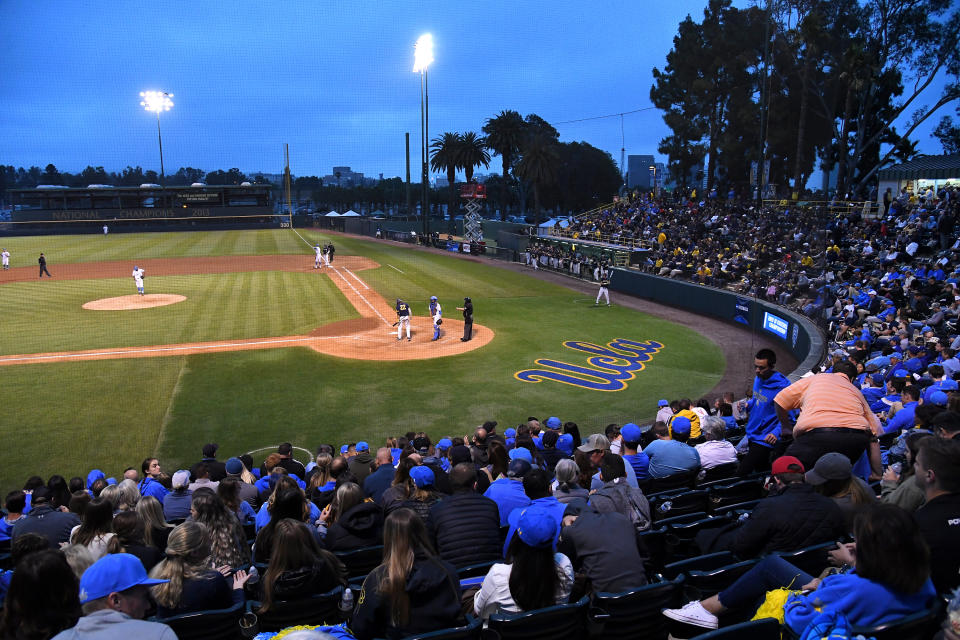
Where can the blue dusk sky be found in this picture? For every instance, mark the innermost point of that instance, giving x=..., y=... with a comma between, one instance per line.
x=334, y=80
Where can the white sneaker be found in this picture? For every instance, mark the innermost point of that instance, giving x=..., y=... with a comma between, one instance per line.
x=693, y=613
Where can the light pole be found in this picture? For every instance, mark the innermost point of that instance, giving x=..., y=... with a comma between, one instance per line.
x=157, y=101
x=653, y=172
x=422, y=57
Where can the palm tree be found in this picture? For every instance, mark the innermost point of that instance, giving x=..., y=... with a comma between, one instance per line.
x=505, y=133
x=539, y=166
x=445, y=156
x=473, y=153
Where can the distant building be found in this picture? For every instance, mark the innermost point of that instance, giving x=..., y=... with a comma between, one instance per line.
x=639, y=174
x=343, y=177
x=275, y=178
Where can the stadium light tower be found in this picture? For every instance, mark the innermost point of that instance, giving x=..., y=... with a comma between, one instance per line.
x=157, y=101
x=422, y=57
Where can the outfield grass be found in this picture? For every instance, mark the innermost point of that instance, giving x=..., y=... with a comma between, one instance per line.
x=69, y=417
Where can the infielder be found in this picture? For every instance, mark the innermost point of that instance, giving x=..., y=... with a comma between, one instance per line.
x=403, y=318
x=437, y=314
x=603, y=292
x=6, y=259
x=318, y=260
x=138, y=279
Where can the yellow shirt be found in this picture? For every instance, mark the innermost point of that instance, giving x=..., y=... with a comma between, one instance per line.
x=694, y=422
x=661, y=238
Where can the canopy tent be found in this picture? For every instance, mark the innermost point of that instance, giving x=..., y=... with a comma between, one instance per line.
x=564, y=223
x=350, y=214
x=332, y=214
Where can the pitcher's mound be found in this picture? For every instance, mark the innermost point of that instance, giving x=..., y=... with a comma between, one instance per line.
x=125, y=303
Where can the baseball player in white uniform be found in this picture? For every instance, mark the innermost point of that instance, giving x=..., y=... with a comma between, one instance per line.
x=138, y=278
x=318, y=261
x=6, y=259
x=403, y=319
x=436, y=313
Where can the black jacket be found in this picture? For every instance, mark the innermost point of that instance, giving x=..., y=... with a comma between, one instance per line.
x=361, y=466
x=378, y=482
x=361, y=526
x=217, y=469
x=53, y=525
x=796, y=518
x=303, y=582
x=939, y=522
x=434, y=592
x=465, y=529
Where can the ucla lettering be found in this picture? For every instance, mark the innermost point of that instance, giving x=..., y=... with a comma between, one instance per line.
x=609, y=369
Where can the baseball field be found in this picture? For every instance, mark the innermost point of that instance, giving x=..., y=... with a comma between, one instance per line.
x=240, y=341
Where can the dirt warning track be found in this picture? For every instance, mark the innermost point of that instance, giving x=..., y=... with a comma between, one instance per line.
x=370, y=337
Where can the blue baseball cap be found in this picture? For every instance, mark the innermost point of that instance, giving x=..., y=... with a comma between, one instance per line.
x=949, y=385
x=422, y=476
x=565, y=443
x=553, y=422
x=630, y=432
x=113, y=573
x=344, y=449
x=522, y=453
x=363, y=446
x=537, y=527
x=444, y=443
x=900, y=373
x=510, y=433
x=938, y=398
x=663, y=403
x=680, y=424
x=877, y=379
x=510, y=442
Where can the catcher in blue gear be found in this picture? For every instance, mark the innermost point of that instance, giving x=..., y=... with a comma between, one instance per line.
x=437, y=315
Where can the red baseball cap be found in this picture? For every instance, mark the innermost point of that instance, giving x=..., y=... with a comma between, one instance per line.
x=786, y=464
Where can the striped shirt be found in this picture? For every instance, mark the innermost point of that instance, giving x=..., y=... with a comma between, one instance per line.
x=828, y=400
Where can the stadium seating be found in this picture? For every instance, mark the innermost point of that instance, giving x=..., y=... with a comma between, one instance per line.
x=322, y=608
x=720, y=472
x=687, y=502
x=214, y=624
x=765, y=629
x=560, y=622
x=706, y=562
x=706, y=583
x=470, y=631
x=636, y=613
x=676, y=481
x=811, y=560
x=360, y=562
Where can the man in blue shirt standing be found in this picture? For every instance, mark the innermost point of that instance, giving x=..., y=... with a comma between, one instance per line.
x=508, y=492
x=763, y=427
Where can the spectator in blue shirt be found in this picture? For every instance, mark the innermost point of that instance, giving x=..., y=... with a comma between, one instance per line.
x=763, y=426
x=632, y=455
x=508, y=492
x=671, y=457
x=904, y=419
x=15, y=503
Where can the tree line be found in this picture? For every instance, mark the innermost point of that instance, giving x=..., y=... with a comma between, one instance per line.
x=797, y=82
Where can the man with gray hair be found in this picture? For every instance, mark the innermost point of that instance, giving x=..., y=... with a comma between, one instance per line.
x=716, y=450
x=176, y=504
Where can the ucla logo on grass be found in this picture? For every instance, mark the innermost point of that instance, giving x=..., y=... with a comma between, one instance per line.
x=609, y=368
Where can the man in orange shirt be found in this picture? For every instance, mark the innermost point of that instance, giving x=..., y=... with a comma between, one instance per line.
x=834, y=416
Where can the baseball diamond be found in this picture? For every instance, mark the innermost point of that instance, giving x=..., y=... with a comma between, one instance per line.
x=249, y=344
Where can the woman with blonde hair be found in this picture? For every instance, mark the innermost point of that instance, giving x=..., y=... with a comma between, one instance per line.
x=298, y=568
x=413, y=591
x=228, y=543
x=96, y=529
x=321, y=480
x=193, y=585
x=155, y=528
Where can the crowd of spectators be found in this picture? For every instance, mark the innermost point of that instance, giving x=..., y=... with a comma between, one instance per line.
x=817, y=259
x=554, y=515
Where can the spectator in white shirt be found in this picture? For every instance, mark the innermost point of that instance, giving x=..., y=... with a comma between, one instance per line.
x=664, y=412
x=715, y=451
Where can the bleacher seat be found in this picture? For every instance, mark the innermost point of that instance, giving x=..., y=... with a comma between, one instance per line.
x=559, y=622
x=692, y=501
x=720, y=472
x=707, y=562
x=723, y=495
x=764, y=629
x=811, y=560
x=681, y=536
x=677, y=481
x=655, y=541
x=635, y=614
x=470, y=631
x=322, y=608
x=360, y=562
x=711, y=582
x=734, y=510
x=213, y=624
